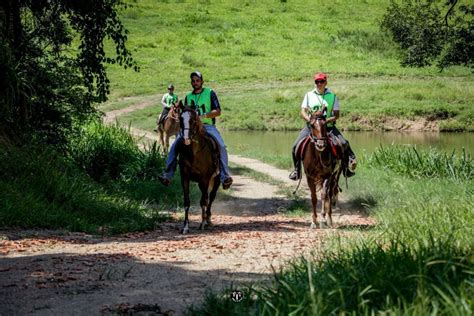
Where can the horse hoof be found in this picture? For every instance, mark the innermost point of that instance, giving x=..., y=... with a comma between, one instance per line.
x=203, y=226
x=329, y=222
x=184, y=231
x=313, y=226
x=322, y=225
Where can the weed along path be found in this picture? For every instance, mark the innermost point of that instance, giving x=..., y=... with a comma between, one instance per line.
x=162, y=271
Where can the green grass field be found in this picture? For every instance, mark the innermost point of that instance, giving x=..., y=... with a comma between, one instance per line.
x=260, y=57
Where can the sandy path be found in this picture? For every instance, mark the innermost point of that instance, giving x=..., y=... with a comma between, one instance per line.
x=58, y=273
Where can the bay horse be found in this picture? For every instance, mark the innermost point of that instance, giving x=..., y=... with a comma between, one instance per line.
x=198, y=162
x=322, y=169
x=169, y=127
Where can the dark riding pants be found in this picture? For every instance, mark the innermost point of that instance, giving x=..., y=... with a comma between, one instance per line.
x=305, y=132
x=163, y=116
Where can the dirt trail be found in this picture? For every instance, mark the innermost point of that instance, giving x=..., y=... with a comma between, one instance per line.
x=52, y=272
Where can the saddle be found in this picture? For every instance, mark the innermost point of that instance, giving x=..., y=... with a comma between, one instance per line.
x=162, y=119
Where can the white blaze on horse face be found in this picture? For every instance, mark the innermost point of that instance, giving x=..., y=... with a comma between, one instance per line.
x=186, y=117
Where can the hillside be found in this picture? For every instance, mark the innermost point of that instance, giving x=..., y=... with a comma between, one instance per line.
x=260, y=57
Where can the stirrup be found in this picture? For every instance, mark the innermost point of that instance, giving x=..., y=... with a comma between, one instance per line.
x=227, y=183
x=348, y=173
x=164, y=180
x=352, y=164
x=294, y=175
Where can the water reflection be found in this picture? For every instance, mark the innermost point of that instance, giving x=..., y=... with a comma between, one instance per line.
x=280, y=143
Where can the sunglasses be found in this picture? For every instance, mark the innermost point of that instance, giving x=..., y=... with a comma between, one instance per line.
x=320, y=81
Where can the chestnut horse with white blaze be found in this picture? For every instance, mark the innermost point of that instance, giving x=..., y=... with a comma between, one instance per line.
x=322, y=170
x=198, y=162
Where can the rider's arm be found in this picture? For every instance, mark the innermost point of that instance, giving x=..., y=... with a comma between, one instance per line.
x=215, y=107
x=163, y=101
x=305, y=114
x=333, y=118
x=335, y=111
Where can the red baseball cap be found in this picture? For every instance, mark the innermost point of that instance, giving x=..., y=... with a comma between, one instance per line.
x=320, y=76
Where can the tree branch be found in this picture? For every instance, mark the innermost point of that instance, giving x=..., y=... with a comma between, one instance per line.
x=453, y=4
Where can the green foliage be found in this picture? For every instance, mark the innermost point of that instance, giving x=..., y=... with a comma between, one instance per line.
x=424, y=164
x=40, y=188
x=47, y=85
x=110, y=153
x=429, y=31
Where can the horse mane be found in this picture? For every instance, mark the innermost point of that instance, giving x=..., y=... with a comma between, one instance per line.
x=317, y=114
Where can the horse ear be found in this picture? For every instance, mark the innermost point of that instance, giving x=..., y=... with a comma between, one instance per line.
x=193, y=105
x=180, y=105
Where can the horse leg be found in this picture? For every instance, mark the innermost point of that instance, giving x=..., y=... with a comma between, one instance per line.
x=314, y=201
x=335, y=188
x=162, y=141
x=185, y=185
x=214, y=184
x=204, y=203
x=167, y=142
x=328, y=204
x=324, y=201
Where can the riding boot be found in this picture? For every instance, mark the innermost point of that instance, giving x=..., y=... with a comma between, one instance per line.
x=347, y=170
x=296, y=174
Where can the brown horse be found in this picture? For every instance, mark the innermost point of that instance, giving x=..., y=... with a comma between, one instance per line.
x=322, y=170
x=169, y=127
x=198, y=162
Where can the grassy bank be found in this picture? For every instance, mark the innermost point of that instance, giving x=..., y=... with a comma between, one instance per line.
x=103, y=183
x=418, y=260
x=260, y=57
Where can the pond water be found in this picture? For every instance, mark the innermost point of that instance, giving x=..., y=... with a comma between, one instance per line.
x=280, y=143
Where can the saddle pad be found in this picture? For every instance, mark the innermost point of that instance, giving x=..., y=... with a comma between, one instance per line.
x=300, y=147
x=336, y=146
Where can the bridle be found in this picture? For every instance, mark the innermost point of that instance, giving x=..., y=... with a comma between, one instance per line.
x=319, y=142
x=192, y=130
x=174, y=115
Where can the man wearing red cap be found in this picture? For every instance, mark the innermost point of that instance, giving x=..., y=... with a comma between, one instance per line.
x=322, y=99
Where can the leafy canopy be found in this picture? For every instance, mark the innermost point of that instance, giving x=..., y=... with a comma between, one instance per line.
x=53, y=61
x=430, y=31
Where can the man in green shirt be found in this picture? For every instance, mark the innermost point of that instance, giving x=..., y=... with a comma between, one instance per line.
x=167, y=101
x=208, y=106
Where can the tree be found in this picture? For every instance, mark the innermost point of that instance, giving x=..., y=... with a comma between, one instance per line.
x=52, y=61
x=430, y=31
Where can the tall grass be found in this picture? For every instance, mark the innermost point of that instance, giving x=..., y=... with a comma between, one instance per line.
x=418, y=260
x=40, y=188
x=424, y=163
x=109, y=152
x=366, y=280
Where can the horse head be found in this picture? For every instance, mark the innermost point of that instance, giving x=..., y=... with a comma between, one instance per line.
x=317, y=125
x=190, y=123
x=174, y=111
